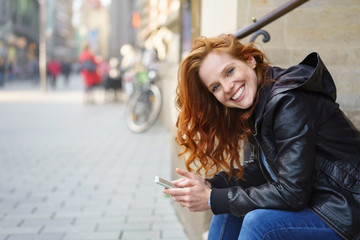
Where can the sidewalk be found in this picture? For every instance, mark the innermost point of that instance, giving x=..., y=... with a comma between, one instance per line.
x=27, y=91
x=71, y=171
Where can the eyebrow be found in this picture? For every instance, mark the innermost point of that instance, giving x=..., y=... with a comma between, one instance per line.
x=225, y=68
x=222, y=72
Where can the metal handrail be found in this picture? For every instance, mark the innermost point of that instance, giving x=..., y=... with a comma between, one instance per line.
x=270, y=17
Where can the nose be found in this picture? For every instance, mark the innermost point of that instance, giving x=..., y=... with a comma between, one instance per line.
x=227, y=86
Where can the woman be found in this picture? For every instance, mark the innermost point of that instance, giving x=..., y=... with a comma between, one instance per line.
x=302, y=178
x=90, y=74
x=54, y=69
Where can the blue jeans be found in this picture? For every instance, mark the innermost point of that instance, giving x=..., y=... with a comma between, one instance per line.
x=266, y=224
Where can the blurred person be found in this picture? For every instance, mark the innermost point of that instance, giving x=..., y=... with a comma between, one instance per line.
x=113, y=81
x=34, y=70
x=54, y=69
x=104, y=69
x=2, y=71
x=66, y=70
x=89, y=71
x=302, y=180
x=10, y=70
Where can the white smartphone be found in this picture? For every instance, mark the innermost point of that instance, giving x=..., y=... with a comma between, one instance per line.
x=163, y=182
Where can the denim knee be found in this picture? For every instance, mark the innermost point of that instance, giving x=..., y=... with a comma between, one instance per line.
x=254, y=217
x=254, y=225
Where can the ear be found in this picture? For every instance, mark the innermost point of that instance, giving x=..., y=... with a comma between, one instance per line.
x=251, y=61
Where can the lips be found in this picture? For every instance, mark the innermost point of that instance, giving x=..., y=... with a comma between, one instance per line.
x=238, y=93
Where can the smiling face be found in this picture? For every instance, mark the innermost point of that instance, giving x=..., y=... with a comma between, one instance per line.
x=233, y=82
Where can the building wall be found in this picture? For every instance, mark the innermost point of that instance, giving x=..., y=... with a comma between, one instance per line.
x=94, y=25
x=217, y=17
x=64, y=33
x=19, y=33
x=121, y=30
x=328, y=27
x=59, y=31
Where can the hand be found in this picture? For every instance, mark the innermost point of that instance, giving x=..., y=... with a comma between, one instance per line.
x=192, y=191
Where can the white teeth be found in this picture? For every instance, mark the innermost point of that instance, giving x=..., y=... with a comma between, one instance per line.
x=238, y=94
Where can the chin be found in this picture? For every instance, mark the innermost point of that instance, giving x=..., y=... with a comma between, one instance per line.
x=244, y=106
x=237, y=106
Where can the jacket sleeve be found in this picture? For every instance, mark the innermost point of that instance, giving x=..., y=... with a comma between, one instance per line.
x=252, y=177
x=289, y=145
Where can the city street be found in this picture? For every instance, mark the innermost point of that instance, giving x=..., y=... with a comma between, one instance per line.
x=72, y=171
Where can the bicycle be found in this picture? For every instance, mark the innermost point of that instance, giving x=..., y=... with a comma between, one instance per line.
x=144, y=105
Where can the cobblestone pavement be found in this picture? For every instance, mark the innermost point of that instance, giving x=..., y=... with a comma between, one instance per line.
x=73, y=171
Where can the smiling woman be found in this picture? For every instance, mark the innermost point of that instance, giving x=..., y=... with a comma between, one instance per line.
x=233, y=82
x=210, y=77
x=304, y=152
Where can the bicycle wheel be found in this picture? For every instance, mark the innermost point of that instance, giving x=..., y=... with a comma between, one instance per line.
x=143, y=109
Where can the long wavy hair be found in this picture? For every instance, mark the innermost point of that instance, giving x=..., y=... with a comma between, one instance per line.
x=210, y=133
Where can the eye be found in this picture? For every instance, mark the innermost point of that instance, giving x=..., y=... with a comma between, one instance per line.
x=229, y=71
x=215, y=87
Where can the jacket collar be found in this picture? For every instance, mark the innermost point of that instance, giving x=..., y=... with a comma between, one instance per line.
x=309, y=75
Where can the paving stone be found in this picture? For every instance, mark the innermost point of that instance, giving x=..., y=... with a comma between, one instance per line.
x=93, y=236
x=52, y=236
x=169, y=225
x=173, y=233
x=141, y=235
x=136, y=226
x=11, y=222
x=21, y=230
x=47, y=222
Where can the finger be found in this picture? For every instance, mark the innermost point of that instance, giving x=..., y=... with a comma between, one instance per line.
x=187, y=183
x=175, y=191
x=178, y=181
x=183, y=173
x=182, y=201
x=179, y=198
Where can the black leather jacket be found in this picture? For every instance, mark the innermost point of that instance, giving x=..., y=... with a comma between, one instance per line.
x=311, y=147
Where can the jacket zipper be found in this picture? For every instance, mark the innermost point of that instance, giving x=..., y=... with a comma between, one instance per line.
x=258, y=157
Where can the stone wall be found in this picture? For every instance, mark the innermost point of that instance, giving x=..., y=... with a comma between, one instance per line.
x=329, y=27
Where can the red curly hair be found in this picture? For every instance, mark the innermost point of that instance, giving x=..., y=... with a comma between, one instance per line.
x=205, y=127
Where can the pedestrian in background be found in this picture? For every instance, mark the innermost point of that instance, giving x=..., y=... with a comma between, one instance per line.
x=34, y=70
x=302, y=180
x=104, y=69
x=89, y=72
x=10, y=71
x=2, y=71
x=54, y=69
x=66, y=70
